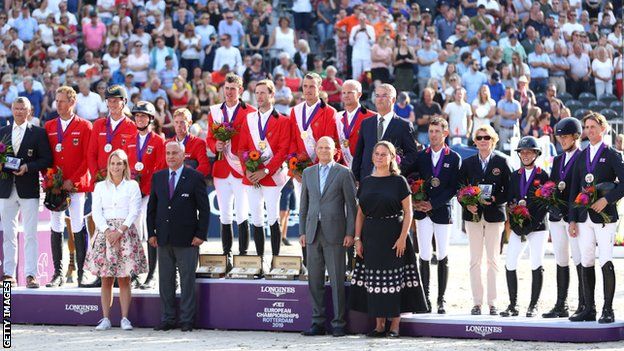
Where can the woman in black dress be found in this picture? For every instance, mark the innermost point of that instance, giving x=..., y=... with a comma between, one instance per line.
x=385, y=281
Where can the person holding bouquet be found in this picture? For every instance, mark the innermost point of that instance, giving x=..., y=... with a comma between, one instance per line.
x=69, y=137
x=224, y=124
x=265, y=139
x=528, y=223
x=146, y=155
x=594, y=218
x=568, y=132
x=438, y=165
x=485, y=218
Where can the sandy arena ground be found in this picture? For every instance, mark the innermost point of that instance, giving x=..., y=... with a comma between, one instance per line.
x=459, y=300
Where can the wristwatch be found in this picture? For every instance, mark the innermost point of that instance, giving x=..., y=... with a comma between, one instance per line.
x=357, y=238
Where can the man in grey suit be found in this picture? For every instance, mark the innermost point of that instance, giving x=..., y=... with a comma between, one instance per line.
x=327, y=224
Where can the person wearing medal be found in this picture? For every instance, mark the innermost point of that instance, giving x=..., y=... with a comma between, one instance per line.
x=348, y=121
x=69, y=137
x=111, y=133
x=489, y=170
x=533, y=232
x=438, y=165
x=146, y=156
x=568, y=132
x=597, y=167
x=227, y=171
x=195, y=155
x=268, y=133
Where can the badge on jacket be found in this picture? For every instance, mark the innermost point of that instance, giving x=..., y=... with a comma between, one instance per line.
x=30, y=152
x=496, y=171
x=150, y=149
x=75, y=141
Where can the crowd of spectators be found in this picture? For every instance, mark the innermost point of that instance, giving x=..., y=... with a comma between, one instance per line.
x=519, y=65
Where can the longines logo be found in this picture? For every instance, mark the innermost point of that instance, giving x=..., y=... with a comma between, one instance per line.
x=278, y=290
x=81, y=309
x=483, y=330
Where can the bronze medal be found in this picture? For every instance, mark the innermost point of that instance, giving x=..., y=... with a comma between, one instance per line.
x=522, y=202
x=262, y=144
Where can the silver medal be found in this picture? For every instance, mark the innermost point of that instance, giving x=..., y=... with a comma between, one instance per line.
x=522, y=202
x=108, y=148
x=561, y=186
x=58, y=147
x=589, y=178
x=138, y=166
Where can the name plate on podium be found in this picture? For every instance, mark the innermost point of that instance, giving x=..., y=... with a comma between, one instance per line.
x=212, y=266
x=285, y=268
x=12, y=163
x=246, y=267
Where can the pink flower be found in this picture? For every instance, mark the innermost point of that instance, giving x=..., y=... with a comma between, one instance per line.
x=2, y=147
x=584, y=199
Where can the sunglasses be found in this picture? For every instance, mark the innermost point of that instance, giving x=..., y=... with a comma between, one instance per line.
x=483, y=137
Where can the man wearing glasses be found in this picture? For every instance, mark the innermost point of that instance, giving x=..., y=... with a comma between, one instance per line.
x=227, y=54
x=233, y=28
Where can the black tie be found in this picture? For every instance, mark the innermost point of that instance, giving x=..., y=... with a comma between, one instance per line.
x=380, y=128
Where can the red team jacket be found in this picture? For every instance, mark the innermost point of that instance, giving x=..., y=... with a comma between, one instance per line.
x=323, y=124
x=278, y=136
x=97, y=158
x=196, y=151
x=73, y=158
x=221, y=168
x=153, y=160
x=361, y=115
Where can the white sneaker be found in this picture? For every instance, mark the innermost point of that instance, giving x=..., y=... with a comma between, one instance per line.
x=103, y=324
x=125, y=324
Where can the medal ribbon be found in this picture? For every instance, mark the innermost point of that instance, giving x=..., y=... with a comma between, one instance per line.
x=438, y=167
x=347, y=128
x=524, y=183
x=60, y=134
x=592, y=165
x=261, y=129
x=563, y=171
x=110, y=133
x=141, y=150
x=306, y=123
x=226, y=118
x=186, y=138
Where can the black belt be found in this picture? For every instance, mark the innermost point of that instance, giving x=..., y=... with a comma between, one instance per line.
x=386, y=217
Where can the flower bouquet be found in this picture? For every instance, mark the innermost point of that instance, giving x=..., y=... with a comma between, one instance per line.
x=5, y=150
x=546, y=195
x=297, y=164
x=519, y=214
x=253, y=160
x=101, y=175
x=56, y=198
x=223, y=132
x=470, y=195
x=418, y=189
x=586, y=198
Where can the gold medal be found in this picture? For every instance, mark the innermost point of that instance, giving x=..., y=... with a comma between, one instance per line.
x=262, y=144
x=435, y=182
x=522, y=202
x=561, y=186
x=345, y=143
x=304, y=135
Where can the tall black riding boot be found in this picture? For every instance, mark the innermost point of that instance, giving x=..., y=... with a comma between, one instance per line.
x=424, y=278
x=608, y=278
x=152, y=259
x=258, y=236
x=276, y=238
x=581, y=301
x=536, y=289
x=588, y=279
x=561, y=306
x=56, y=241
x=442, y=282
x=243, y=238
x=226, y=243
x=80, y=241
x=512, y=287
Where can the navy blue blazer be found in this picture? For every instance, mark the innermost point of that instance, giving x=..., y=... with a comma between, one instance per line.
x=498, y=174
x=35, y=153
x=555, y=176
x=399, y=132
x=177, y=220
x=538, y=212
x=609, y=166
x=439, y=197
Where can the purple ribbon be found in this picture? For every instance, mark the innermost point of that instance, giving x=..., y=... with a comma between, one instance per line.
x=261, y=129
x=172, y=184
x=110, y=133
x=524, y=183
x=306, y=123
x=141, y=150
x=59, y=130
x=591, y=165
x=186, y=138
x=226, y=118
x=563, y=171
x=347, y=128
x=438, y=167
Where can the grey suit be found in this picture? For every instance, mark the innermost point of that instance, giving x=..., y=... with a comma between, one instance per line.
x=334, y=209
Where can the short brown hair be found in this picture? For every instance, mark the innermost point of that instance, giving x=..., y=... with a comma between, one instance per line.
x=596, y=117
x=68, y=91
x=233, y=78
x=268, y=83
x=184, y=112
x=315, y=77
x=439, y=121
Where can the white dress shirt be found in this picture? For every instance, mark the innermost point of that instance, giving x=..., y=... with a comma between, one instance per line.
x=141, y=140
x=64, y=123
x=114, y=123
x=177, y=176
x=116, y=202
x=527, y=173
x=593, y=149
x=485, y=162
x=18, y=135
x=568, y=156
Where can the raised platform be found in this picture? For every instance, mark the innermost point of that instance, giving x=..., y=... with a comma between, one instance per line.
x=285, y=306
